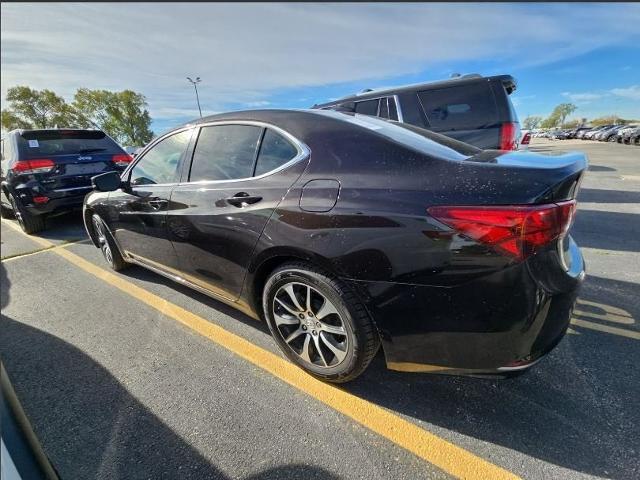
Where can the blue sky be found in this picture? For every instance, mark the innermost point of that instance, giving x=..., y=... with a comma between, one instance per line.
x=293, y=55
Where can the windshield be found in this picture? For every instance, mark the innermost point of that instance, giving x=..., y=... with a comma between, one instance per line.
x=39, y=143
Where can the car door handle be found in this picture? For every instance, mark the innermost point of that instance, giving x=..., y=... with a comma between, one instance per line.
x=243, y=199
x=158, y=204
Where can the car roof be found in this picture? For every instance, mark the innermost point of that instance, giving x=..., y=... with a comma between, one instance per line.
x=312, y=126
x=507, y=80
x=20, y=131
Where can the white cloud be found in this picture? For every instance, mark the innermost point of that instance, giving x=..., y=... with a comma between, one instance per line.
x=632, y=93
x=244, y=52
x=258, y=103
x=586, y=97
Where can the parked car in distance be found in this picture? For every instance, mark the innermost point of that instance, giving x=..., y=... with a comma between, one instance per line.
x=582, y=132
x=471, y=108
x=575, y=133
x=623, y=134
x=347, y=231
x=632, y=137
x=46, y=172
x=605, y=134
x=559, y=134
x=525, y=141
x=594, y=131
x=133, y=151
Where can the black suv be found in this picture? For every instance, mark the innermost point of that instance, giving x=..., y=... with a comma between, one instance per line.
x=47, y=172
x=471, y=108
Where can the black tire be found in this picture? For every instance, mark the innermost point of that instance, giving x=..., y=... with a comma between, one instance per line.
x=361, y=340
x=6, y=212
x=29, y=223
x=107, y=244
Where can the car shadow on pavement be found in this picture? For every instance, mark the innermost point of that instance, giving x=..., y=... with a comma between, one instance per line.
x=601, y=168
x=607, y=230
x=89, y=425
x=594, y=195
x=577, y=409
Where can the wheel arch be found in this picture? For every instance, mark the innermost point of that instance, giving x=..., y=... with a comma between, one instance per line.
x=87, y=213
x=268, y=261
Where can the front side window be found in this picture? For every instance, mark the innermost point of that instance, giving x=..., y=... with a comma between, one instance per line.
x=275, y=151
x=160, y=164
x=225, y=152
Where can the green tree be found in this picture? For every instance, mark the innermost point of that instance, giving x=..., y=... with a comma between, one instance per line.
x=572, y=123
x=11, y=121
x=35, y=108
x=532, y=122
x=609, y=120
x=559, y=115
x=123, y=115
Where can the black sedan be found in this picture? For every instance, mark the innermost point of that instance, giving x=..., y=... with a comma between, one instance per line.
x=347, y=232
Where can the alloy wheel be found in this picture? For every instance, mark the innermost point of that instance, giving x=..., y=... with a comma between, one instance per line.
x=310, y=325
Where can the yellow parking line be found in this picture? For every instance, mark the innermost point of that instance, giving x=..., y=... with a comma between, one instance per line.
x=428, y=446
x=18, y=256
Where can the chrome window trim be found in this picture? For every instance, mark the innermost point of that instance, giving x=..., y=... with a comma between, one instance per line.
x=303, y=150
x=73, y=188
x=397, y=100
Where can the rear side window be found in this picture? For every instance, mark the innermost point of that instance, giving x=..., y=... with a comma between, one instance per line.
x=464, y=107
x=225, y=152
x=393, y=111
x=275, y=151
x=367, y=107
x=411, y=110
x=44, y=143
x=384, y=108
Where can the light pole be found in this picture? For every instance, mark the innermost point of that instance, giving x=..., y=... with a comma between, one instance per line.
x=195, y=86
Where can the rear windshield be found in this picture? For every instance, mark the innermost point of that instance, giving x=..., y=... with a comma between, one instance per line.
x=464, y=107
x=418, y=139
x=40, y=143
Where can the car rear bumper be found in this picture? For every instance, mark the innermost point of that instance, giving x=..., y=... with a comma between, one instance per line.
x=499, y=324
x=59, y=201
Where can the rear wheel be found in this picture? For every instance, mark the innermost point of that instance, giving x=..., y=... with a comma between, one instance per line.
x=6, y=212
x=110, y=250
x=29, y=223
x=318, y=323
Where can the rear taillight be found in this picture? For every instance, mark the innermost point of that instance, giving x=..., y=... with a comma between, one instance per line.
x=37, y=165
x=122, y=160
x=517, y=231
x=526, y=139
x=508, y=136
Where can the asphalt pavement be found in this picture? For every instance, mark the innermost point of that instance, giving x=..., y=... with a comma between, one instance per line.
x=128, y=375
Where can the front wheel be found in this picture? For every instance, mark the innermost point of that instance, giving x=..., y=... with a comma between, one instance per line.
x=107, y=244
x=318, y=323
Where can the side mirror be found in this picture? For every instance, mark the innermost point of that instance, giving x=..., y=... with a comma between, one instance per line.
x=106, y=182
